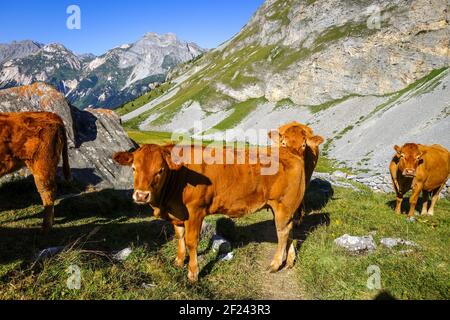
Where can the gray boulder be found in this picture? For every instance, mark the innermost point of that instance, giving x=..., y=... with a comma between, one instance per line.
x=356, y=244
x=94, y=135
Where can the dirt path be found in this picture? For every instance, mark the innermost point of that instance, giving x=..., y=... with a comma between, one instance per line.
x=282, y=285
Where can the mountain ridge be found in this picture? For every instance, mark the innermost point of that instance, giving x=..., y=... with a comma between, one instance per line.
x=109, y=80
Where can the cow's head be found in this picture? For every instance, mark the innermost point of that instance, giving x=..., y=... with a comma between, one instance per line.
x=410, y=157
x=297, y=137
x=151, y=165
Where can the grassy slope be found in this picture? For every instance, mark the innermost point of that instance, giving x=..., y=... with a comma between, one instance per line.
x=144, y=99
x=330, y=273
x=322, y=271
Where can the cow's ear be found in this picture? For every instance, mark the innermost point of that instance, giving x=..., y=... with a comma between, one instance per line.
x=398, y=149
x=315, y=141
x=420, y=157
x=124, y=158
x=173, y=164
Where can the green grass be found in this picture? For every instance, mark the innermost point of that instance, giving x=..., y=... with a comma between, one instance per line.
x=241, y=110
x=281, y=10
x=326, y=165
x=150, y=137
x=330, y=104
x=330, y=273
x=419, y=84
x=143, y=100
x=93, y=225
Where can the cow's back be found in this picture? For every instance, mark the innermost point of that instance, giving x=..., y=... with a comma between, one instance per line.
x=436, y=166
x=238, y=189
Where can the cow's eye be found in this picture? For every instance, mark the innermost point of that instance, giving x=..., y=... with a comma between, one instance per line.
x=402, y=155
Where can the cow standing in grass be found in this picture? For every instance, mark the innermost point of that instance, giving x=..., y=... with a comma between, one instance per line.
x=420, y=168
x=186, y=193
x=35, y=140
x=292, y=135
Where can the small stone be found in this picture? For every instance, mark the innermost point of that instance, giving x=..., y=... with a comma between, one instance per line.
x=393, y=242
x=49, y=252
x=220, y=244
x=122, y=255
x=411, y=219
x=226, y=257
x=148, y=286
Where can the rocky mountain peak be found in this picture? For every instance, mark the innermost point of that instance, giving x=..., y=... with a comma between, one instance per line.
x=18, y=49
x=107, y=81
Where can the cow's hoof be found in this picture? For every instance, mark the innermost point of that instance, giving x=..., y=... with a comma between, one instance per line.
x=411, y=219
x=179, y=263
x=290, y=261
x=192, y=276
x=274, y=267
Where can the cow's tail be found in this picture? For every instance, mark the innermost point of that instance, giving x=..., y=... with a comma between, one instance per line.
x=65, y=156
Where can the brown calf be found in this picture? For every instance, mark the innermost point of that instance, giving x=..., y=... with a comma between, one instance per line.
x=420, y=168
x=35, y=140
x=186, y=193
x=292, y=135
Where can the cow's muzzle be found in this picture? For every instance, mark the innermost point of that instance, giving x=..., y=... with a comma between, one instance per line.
x=410, y=173
x=142, y=197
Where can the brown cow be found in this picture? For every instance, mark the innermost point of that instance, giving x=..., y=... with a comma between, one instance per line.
x=290, y=135
x=420, y=168
x=35, y=140
x=185, y=193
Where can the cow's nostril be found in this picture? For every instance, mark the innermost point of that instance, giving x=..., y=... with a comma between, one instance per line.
x=141, y=197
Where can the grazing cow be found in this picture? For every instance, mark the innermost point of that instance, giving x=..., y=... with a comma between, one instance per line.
x=420, y=168
x=35, y=140
x=185, y=193
x=291, y=135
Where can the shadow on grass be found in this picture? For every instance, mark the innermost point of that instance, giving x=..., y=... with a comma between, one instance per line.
x=108, y=211
x=318, y=195
x=384, y=295
x=22, y=193
x=405, y=204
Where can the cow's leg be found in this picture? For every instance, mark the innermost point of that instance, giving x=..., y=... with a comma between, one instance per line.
x=284, y=224
x=46, y=186
x=300, y=214
x=425, y=202
x=292, y=254
x=181, y=253
x=193, y=227
x=417, y=189
x=435, y=197
x=398, y=204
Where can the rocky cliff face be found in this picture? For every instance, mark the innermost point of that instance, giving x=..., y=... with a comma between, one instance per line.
x=18, y=50
x=93, y=135
x=364, y=74
x=107, y=81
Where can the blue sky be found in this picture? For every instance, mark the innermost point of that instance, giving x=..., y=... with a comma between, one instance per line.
x=109, y=23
